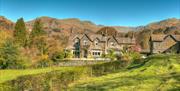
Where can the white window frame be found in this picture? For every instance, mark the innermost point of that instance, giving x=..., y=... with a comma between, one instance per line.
x=85, y=42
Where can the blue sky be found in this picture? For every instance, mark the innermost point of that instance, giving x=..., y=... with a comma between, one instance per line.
x=105, y=12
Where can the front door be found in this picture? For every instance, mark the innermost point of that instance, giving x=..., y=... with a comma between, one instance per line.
x=85, y=53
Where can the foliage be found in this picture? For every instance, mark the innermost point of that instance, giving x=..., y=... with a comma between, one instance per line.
x=43, y=63
x=130, y=34
x=111, y=54
x=37, y=29
x=10, y=56
x=4, y=35
x=20, y=33
x=68, y=54
x=41, y=44
x=58, y=56
x=144, y=37
x=129, y=57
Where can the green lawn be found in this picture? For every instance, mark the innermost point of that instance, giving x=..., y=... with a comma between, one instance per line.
x=6, y=75
x=159, y=73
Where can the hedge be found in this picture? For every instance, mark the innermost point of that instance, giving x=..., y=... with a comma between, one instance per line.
x=59, y=80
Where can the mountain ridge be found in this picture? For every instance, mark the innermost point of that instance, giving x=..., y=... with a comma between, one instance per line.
x=79, y=26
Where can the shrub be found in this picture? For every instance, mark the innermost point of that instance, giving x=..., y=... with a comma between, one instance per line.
x=58, y=56
x=10, y=56
x=111, y=54
x=68, y=54
x=43, y=63
x=128, y=57
x=59, y=80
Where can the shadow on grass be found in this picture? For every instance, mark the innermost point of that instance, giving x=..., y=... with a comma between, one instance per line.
x=126, y=81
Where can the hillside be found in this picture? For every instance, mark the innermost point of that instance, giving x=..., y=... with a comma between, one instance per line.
x=159, y=73
x=74, y=25
x=5, y=24
x=168, y=26
x=69, y=26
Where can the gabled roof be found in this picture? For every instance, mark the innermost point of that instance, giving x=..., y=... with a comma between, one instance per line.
x=161, y=37
x=95, y=36
x=158, y=37
x=177, y=37
x=125, y=40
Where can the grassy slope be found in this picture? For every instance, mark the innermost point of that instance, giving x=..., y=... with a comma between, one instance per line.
x=160, y=72
x=6, y=75
x=10, y=74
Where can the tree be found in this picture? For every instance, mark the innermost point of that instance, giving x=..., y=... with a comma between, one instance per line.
x=41, y=44
x=37, y=29
x=111, y=54
x=20, y=33
x=130, y=34
x=10, y=56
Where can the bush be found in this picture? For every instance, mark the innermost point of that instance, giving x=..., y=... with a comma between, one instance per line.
x=68, y=54
x=10, y=56
x=111, y=54
x=43, y=63
x=58, y=56
x=129, y=57
x=59, y=80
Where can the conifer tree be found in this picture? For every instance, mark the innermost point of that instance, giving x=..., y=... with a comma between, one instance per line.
x=20, y=33
x=37, y=29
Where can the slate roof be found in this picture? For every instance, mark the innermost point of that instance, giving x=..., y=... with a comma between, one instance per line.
x=158, y=37
x=161, y=37
x=125, y=40
x=177, y=37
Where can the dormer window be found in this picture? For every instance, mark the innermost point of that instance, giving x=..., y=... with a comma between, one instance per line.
x=76, y=41
x=85, y=42
x=96, y=42
x=112, y=44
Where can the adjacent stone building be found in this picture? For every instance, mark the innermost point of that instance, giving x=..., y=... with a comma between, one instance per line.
x=164, y=43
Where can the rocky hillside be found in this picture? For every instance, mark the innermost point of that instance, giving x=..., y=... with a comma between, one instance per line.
x=5, y=24
x=66, y=26
x=74, y=25
x=168, y=26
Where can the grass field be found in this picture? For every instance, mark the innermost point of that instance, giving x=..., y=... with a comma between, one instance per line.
x=6, y=75
x=159, y=73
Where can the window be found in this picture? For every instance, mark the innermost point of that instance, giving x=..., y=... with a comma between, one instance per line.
x=93, y=53
x=85, y=42
x=99, y=53
x=96, y=53
x=76, y=40
x=112, y=44
x=96, y=42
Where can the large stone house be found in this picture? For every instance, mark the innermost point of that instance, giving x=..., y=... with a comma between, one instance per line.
x=94, y=45
x=164, y=43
